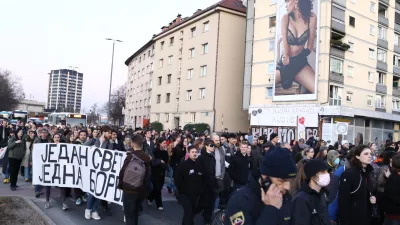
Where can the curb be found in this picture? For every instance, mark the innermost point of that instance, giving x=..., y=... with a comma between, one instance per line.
x=37, y=209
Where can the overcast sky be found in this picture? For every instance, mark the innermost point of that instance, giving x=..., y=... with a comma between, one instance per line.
x=42, y=35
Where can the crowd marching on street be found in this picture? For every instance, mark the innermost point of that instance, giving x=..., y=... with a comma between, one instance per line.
x=230, y=178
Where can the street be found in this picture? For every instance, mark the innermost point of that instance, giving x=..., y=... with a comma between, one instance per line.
x=171, y=215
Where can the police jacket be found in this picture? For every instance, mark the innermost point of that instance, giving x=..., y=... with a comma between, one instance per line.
x=309, y=207
x=189, y=178
x=245, y=207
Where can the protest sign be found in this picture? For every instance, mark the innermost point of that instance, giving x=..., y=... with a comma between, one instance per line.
x=92, y=169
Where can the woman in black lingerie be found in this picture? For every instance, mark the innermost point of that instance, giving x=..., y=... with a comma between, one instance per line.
x=298, y=29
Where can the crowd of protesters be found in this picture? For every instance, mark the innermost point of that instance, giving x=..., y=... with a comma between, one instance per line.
x=243, y=178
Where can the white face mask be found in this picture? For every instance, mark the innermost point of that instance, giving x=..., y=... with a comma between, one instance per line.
x=323, y=180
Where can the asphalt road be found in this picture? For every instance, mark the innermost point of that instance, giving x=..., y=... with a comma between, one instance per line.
x=172, y=214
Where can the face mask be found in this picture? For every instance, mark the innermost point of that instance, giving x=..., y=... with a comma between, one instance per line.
x=323, y=180
x=337, y=161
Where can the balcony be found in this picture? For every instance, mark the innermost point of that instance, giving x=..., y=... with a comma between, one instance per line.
x=382, y=43
x=382, y=20
x=336, y=77
x=381, y=66
x=380, y=109
x=381, y=88
x=396, y=92
x=396, y=70
x=340, y=2
x=337, y=51
x=338, y=27
x=384, y=1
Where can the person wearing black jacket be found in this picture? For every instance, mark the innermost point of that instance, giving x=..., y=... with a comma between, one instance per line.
x=355, y=190
x=392, y=193
x=118, y=145
x=309, y=206
x=239, y=167
x=207, y=161
x=148, y=144
x=190, y=181
x=4, y=134
x=158, y=168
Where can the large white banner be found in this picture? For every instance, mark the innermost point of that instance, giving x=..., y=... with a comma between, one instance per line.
x=94, y=170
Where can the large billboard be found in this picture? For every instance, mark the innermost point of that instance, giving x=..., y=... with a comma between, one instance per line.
x=296, y=51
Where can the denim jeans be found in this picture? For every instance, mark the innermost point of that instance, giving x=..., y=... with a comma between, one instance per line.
x=6, y=174
x=170, y=175
x=92, y=203
x=132, y=206
x=391, y=222
x=38, y=188
x=27, y=173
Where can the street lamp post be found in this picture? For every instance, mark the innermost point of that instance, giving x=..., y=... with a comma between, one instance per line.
x=112, y=65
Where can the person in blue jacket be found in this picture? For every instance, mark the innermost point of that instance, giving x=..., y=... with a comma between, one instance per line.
x=265, y=200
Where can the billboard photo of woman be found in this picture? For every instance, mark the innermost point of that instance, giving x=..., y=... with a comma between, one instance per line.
x=296, y=63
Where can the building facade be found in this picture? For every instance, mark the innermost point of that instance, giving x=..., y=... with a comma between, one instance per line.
x=139, y=86
x=199, y=67
x=354, y=62
x=31, y=106
x=65, y=91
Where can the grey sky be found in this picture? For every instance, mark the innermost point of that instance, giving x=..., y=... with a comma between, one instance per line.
x=38, y=36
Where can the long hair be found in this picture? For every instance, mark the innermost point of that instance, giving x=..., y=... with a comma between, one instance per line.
x=305, y=7
x=299, y=179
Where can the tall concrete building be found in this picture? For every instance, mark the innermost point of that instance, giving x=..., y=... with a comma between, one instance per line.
x=139, y=86
x=329, y=66
x=65, y=91
x=199, y=62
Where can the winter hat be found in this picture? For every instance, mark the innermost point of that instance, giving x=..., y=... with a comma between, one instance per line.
x=272, y=136
x=332, y=156
x=344, y=142
x=313, y=166
x=279, y=163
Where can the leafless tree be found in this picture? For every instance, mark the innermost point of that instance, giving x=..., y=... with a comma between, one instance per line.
x=114, y=108
x=11, y=91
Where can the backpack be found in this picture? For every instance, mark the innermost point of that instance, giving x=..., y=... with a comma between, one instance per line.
x=134, y=174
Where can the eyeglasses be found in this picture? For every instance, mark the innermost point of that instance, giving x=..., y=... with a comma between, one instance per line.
x=212, y=146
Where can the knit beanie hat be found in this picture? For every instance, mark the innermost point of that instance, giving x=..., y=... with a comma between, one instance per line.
x=314, y=166
x=279, y=163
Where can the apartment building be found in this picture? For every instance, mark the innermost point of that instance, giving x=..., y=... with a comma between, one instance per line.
x=65, y=91
x=139, y=86
x=356, y=58
x=199, y=67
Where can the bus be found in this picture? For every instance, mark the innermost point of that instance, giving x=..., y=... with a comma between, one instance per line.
x=20, y=115
x=72, y=119
x=6, y=115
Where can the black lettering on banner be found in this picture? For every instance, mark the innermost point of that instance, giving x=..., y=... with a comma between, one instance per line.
x=109, y=183
x=114, y=161
x=117, y=191
x=75, y=155
x=92, y=171
x=56, y=174
x=46, y=173
x=63, y=149
x=83, y=156
x=65, y=174
x=96, y=166
x=104, y=183
x=45, y=158
x=79, y=176
x=108, y=155
x=51, y=152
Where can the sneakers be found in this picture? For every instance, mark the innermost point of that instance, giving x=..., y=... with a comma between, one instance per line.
x=13, y=188
x=149, y=203
x=88, y=214
x=95, y=216
x=47, y=205
x=124, y=219
x=161, y=208
x=27, y=180
x=6, y=181
x=84, y=198
x=65, y=206
x=79, y=202
x=169, y=190
x=37, y=194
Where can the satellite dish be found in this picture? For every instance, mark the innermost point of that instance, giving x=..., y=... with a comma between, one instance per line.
x=342, y=128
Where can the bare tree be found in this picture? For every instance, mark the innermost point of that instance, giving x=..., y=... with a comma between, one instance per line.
x=93, y=115
x=11, y=91
x=113, y=109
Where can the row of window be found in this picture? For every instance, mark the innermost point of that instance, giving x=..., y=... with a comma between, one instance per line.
x=204, y=50
x=206, y=28
x=139, y=73
x=141, y=103
x=189, y=94
x=139, y=60
x=166, y=117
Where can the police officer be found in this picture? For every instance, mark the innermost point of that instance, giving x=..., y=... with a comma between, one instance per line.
x=266, y=194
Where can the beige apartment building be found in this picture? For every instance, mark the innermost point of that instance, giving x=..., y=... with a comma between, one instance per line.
x=356, y=54
x=139, y=86
x=199, y=66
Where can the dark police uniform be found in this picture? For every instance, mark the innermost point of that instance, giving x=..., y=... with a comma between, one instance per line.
x=245, y=207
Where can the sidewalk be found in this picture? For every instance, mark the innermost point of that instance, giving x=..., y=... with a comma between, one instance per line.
x=172, y=214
